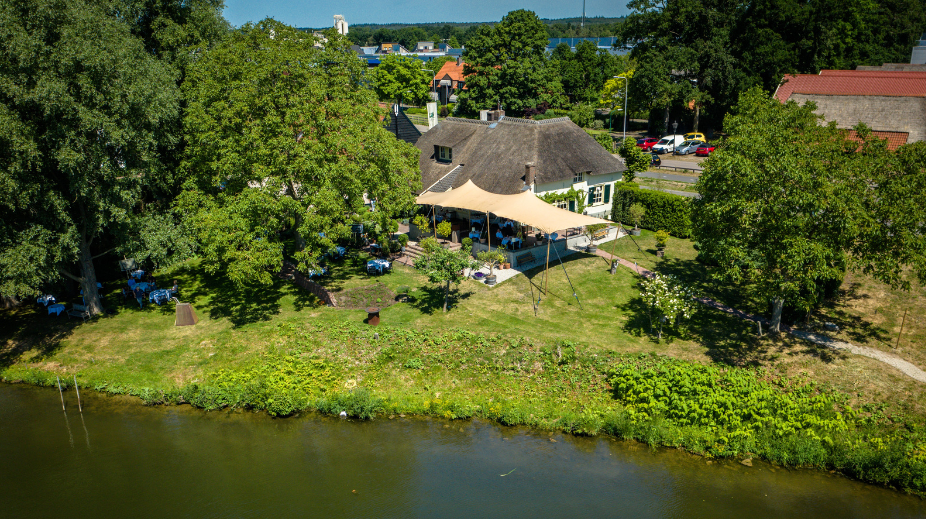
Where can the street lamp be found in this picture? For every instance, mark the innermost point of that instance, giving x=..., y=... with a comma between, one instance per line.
x=626, y=84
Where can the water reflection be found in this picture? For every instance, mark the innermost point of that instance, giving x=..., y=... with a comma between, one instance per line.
x=178, y=461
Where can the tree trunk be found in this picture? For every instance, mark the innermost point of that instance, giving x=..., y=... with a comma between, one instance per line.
x=9, y=302
x=777, y=306
x=696, y=116
x=87, y=280
x=665, y=121
x=446, y=295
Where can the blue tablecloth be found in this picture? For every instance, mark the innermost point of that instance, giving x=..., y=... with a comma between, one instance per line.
x=478, y=219
x=317, y=273
x=475, y=235
x=46, y=300
x=378, y=266
x=159, y=296
x=137, y=274
x=338, y=252
x=55, y=309
x=143, y=286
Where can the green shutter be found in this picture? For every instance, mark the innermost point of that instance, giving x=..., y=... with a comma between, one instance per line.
x=572, y=205
x=591, y=195
x=607, y=193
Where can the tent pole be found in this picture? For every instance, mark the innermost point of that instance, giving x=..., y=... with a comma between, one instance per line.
x=614, y=245
x=489, y=228
x=574, y=294
x=547, y=268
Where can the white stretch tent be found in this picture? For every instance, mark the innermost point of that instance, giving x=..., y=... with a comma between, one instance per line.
x=523, y=207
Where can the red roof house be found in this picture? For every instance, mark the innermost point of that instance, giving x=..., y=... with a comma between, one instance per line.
x=892, y=103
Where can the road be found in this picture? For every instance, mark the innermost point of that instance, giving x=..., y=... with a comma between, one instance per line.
x=678, y=163
x=668, y=176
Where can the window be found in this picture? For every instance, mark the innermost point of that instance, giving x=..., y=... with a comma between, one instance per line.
x=444, y=154
x=579, y=177
x=594, y=195
x=561, y=204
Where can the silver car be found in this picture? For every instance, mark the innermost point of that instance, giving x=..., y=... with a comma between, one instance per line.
x=688, y=147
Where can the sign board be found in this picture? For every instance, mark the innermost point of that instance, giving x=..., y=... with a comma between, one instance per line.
x=432, y=115
x=356, y=228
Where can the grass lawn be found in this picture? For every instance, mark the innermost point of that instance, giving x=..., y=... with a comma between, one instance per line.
x=142, y=347
x=666, y=184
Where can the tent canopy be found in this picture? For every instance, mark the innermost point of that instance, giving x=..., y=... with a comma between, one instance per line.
x=523, y=207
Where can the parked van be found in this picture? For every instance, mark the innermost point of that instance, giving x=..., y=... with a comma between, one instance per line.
x=668, y=143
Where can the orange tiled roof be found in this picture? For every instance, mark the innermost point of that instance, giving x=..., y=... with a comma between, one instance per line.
x=894, y=139
x=910, y=84
x=450, y=69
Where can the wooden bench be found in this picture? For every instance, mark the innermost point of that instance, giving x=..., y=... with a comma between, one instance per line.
x=600, y=234
x=79, y=311
x=524, y=259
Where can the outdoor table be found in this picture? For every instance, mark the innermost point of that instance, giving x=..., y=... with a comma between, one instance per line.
x=378, y=266
x=338, y=252
x=55, y=309
x=137, y=274
x=373, y=316
x=477, y=219
x=317, y=273
x=475, y=235
x=46, y=300
x=506, y=240
x=159, y=296
x=516, y=242
x=143, y=286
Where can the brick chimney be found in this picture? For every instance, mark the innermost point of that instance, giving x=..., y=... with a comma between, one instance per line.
x=530, y=173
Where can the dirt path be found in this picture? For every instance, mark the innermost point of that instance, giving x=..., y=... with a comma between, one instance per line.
x=905, y=367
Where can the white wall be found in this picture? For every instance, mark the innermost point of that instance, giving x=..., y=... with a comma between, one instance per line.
x=601, y=210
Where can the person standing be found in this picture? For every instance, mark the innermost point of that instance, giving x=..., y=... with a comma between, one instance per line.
x=140, y=296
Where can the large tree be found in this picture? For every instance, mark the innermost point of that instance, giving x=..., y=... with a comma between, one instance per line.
x=585, y=71
x=786, y=204
x=81, y=107
x=285, y=142
x=506, y=65
x=402, y=77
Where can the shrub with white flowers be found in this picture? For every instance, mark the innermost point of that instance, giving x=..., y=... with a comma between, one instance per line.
x=667, y=301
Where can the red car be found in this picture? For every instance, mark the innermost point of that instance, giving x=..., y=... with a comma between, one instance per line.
x=704, y=150
x=647, y=143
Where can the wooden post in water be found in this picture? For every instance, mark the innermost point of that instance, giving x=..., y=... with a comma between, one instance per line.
x=79, y=407
x=60, y=392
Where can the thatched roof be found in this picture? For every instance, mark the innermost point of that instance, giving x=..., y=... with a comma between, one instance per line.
x=494, y=154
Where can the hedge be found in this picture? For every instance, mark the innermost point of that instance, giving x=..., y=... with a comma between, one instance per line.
x=663, y=210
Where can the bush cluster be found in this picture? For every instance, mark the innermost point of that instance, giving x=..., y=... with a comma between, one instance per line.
x=663, y=210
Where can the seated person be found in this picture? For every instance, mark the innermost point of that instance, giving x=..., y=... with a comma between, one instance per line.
x=175, y=290
x=498, y=234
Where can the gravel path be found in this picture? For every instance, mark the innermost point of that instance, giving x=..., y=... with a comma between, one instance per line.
x=905, y=367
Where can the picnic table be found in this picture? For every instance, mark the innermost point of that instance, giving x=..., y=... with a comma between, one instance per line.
x=55, y=309
x=378, y=266
x=338, y=252
x=46, y=300
x=159, y=296
x=137, y=274
x=143, y=286
x=317, y=273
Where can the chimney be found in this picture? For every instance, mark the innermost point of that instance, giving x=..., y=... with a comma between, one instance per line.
x=530, y=173
x=458, y=61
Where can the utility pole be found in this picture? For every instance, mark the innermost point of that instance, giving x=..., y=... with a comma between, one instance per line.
x=583, y=14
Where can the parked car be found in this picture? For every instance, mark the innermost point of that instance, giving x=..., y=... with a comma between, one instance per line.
x=695, y=136
x=687, y=147
x=704, y=150
x=668, y=143
x=656, y=161
x=647, y=143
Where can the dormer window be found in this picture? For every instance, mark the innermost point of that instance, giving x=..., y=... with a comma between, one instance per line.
x=444, y=153
x=578, y=177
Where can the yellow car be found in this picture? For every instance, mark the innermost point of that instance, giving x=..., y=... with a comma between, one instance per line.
x=695, y=136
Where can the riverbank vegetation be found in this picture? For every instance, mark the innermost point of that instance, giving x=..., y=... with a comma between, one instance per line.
x=712, y=388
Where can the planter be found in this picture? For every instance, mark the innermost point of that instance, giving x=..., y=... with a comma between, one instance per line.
x=482, y=241
x=635, y=232
x=660, y=252
x=591, y=249
x=479, y=276
x=490, y=280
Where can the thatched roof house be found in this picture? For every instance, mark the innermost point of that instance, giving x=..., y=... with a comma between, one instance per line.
x=498, y=156
x=890, y=102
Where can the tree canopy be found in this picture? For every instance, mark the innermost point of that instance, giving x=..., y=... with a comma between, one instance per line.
x=709, y=51
x=81, y=111
x=506, y=65
x=284, y=144
x=787, y=204
x=445, y=266
x=402, y=77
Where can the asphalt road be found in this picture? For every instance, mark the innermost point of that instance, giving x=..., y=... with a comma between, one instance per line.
x=677, y=163
x=668, y=176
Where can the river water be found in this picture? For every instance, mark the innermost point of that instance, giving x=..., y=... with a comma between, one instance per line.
x=120, y=459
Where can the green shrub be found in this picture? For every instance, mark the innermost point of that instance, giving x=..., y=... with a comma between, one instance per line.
x=663, y=210
x=467, y=244
x=444, y=229
x=605, y=140
x=421, y=221
x=402, y=239
x=662, y=238
x=598, y=125
x=582, y=115
x=429, y=244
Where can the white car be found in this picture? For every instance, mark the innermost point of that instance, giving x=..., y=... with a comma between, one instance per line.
x=668, y=143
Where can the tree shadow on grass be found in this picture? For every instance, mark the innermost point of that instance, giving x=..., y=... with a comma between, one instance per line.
x=240, y=305
x=29, y=328
x=430, y=299
x=856, y=327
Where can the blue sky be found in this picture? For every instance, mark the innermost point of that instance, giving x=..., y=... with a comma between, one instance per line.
x=317, y=13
